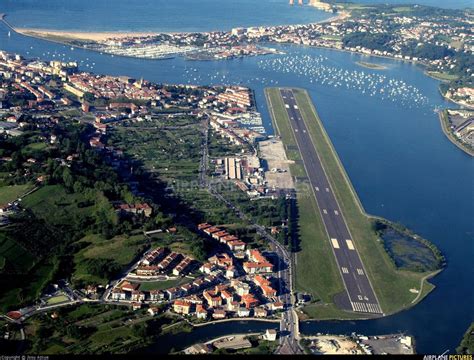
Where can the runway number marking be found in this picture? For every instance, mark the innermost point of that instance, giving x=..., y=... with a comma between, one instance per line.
x=335, y=244
x=325, y=211
x=350, y=245
x=345, y=270
x=360, y=271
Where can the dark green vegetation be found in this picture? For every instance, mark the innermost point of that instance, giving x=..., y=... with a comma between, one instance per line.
x=407, y=250
x=92, y=329
x=219, y=146
x=74, y=199
x=467, y=342
x=316, y=270
x=169, y=151
x=175, y=147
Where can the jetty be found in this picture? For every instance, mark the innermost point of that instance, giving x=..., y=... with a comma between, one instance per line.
x=4, y=20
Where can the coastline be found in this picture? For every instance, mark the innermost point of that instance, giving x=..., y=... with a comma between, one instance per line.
x=79, y=35
x=449, y=135
x=212, y=322
x=71, y=35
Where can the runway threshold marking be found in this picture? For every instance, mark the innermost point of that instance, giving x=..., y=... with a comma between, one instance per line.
x=366, y=307
x=335, y=244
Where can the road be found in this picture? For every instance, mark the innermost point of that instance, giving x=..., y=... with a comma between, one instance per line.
x=289, y=333
x=359, y=296
x=203, y=164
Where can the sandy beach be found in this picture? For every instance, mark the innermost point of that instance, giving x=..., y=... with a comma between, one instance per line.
x=79, y=35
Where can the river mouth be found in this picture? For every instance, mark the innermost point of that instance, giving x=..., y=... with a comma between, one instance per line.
x=397, y=158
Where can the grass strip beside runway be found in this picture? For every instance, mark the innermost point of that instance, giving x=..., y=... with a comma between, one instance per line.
x=316, y=269
x=391, y=286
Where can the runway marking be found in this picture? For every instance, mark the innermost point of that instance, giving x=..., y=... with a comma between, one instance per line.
x=296, y=130
x=327, y=189
x=304, y=131
x=296, y=107
x=366, y=307
x=336, y=212
x=325, y=211
x=350, y=245
x=287, y=106
x=335, y=244
x=344, y=270
x=360, y=272
x=317, y=189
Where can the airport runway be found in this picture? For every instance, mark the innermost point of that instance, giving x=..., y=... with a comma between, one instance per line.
x=360, y=294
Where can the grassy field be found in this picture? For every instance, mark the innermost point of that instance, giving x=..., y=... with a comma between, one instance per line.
x=91, y=329
x=392, y=286
x=161, y=285
x=53, y=204
x=11, y=193
x=57, y=299
x=442, y=76
x=172, y=154
x=121, y=249
x=467, y=342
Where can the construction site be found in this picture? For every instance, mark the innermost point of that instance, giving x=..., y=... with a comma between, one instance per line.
x=276, y=164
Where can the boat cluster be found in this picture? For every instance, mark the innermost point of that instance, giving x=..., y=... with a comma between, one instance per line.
x=319, y=70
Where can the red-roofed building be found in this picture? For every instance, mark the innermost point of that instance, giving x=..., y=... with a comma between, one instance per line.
x=249, y=301
x=258, y=268
x=182, y=307
x=204, y=226
x=236, y=245
x=268, y=291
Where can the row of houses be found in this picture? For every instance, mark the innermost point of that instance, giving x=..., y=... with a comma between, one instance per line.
x=129, y=291
x=223, y=301
x=233, y=242
x=257, y=263
x=155, y=262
